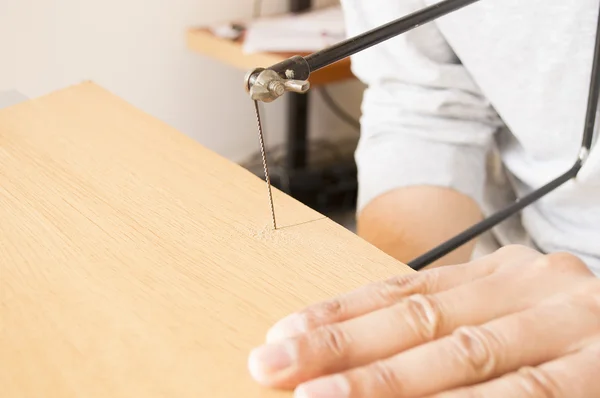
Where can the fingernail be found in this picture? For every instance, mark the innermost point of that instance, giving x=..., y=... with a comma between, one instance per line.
x=289, y=326
x=328, y=387
x=266, y=361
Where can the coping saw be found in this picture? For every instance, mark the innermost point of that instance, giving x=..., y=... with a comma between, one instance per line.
x=291, y=75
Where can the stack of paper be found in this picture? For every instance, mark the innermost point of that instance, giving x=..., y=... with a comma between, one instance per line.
x=306, y=32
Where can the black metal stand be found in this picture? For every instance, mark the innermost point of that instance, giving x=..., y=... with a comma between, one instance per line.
x=325, y=188
x=297, y=140
x=300, y=5
x=297, y=132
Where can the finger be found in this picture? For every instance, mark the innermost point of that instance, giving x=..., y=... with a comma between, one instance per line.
x=471, y=355
x=372, y=297
x=572, y=376
x=414, y=321
x=383, y=294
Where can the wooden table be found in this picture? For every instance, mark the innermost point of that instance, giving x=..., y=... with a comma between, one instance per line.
x=136, y=263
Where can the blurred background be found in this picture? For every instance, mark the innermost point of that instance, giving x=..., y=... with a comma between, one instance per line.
x=162, y=57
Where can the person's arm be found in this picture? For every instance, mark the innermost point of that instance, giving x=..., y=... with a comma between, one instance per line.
x=426, y=130
x=408, y=222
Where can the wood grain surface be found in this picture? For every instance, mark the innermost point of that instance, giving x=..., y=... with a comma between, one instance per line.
x=136, y=263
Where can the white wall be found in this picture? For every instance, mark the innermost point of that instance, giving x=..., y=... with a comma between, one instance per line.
x=136, y=49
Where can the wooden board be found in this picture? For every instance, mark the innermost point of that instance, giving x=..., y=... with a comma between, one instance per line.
x=136, y=263
x=231, y=52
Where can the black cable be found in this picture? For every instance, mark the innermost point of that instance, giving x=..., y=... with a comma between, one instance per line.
x=337, y=110
x=588, y=134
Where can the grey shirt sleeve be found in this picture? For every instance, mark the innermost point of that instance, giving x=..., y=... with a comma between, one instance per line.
x=424, y=120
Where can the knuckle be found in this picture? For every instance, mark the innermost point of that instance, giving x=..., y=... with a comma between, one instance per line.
x=542, y=265
x=512, y=256
x=535, y=382
x=570, y=262
x=587, y=302
x=424, y=314
x=334, y=340
x=395, y=288
x=388, y=382
x=513, y=250
x=327, y=311
x=560, y=262
x=478, y=349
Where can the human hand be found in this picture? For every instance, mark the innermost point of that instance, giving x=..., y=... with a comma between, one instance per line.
x=513, y=324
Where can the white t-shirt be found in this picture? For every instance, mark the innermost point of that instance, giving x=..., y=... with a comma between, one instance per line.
x=509, y=77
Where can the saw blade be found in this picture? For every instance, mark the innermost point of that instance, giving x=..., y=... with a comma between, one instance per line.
x=264, y=159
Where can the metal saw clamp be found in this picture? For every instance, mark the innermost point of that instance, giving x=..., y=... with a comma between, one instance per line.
x=266, y=85
x=269, y=84
x=292, y=74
